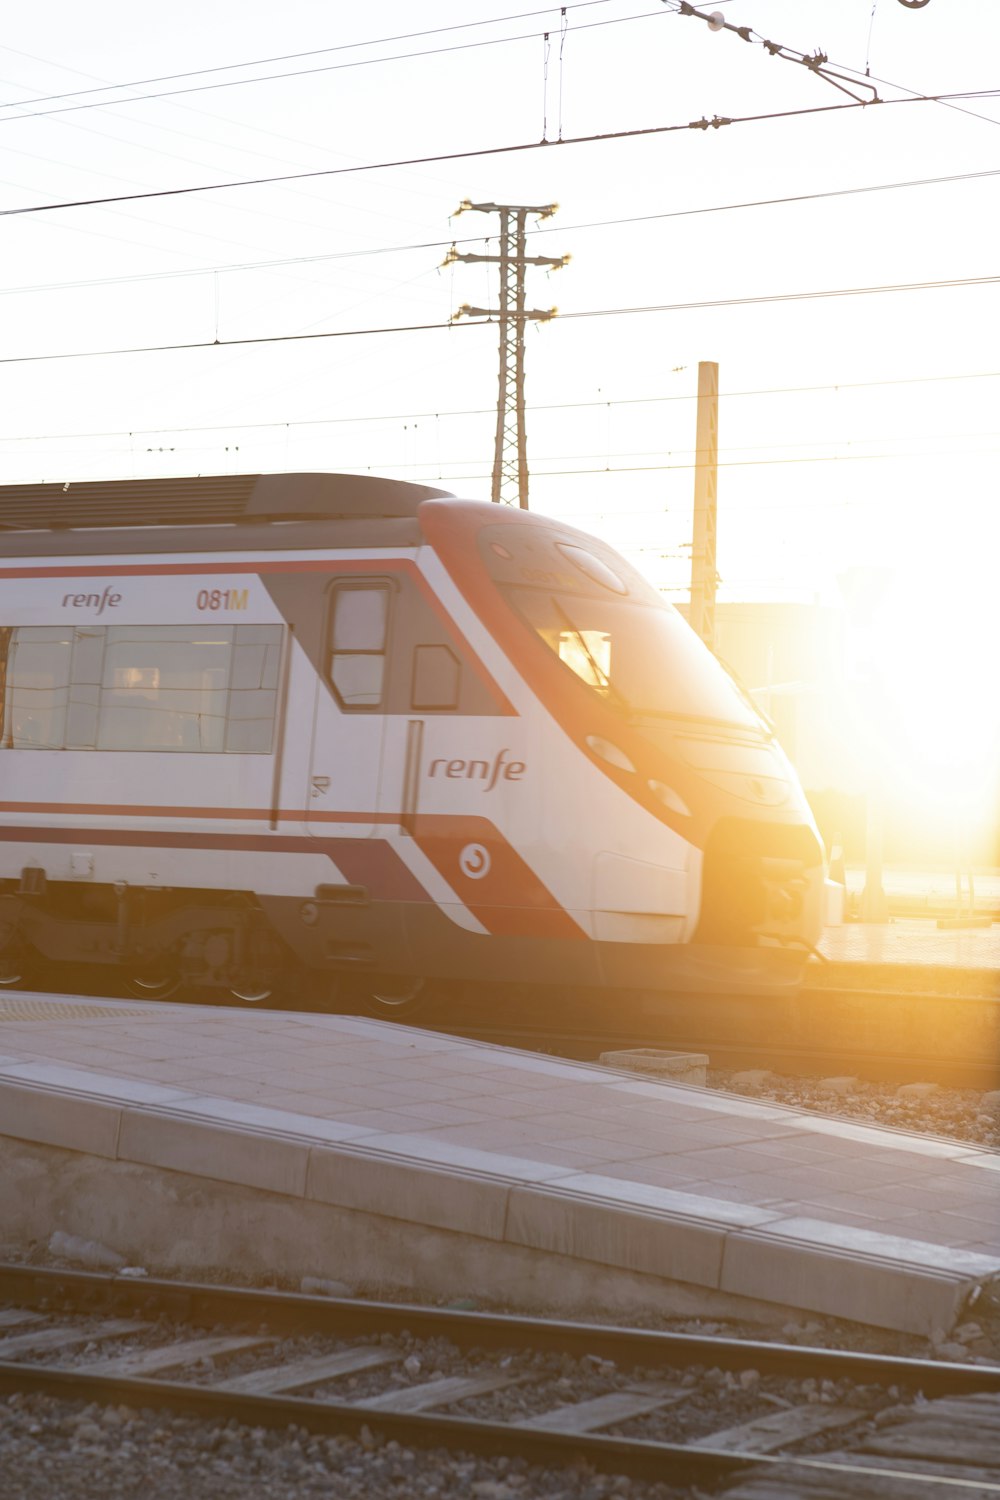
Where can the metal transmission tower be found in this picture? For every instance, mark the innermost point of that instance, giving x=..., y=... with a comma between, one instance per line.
x=510, y=454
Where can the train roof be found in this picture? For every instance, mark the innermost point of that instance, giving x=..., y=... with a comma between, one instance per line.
x=208, y=500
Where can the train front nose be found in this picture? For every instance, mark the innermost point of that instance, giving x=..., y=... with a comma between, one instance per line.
x=786, y=886
x=761, y=882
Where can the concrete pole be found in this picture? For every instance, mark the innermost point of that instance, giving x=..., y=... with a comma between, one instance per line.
x=874, y=903
x=704, y=576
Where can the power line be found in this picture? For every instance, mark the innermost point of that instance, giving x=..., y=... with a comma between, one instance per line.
x=683, y=213
x=482, y=411
x=602, y=312
x=773, y=447
x=678, y=213
x=854, y=291
x=746, y=463
x=368, y=465
x=366, y=62
x=717, y=122
x=274, y=338
x=818, y=62
x=260, y=62
x=680, y=460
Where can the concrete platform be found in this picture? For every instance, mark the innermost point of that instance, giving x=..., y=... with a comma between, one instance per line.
x=200, y=1138
x=913, y=891
x=909, y=953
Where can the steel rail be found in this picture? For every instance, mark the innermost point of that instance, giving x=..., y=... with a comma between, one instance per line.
x=802, y=1061
x=638, y=1458
x=289, y=1313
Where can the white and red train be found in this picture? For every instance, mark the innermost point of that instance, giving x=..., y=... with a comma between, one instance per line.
x=256, y=725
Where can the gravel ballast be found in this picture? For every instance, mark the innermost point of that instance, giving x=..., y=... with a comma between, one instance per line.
x=928, y=1108
x=60, y=1450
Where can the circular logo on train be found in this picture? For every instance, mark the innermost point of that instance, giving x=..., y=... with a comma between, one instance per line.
x=474, y=861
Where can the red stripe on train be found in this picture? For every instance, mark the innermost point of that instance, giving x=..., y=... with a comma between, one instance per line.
x=491, y=879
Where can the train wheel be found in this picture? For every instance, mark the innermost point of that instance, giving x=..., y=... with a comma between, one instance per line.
x=394, y=997
x=249, y=993
x=152, y=984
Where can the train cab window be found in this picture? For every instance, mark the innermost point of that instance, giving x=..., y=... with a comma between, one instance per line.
x=436, y=675
x=640, y=658
x=203, y=688
x=358, y=634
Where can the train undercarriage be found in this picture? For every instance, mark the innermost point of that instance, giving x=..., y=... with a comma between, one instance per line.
x=159, y=939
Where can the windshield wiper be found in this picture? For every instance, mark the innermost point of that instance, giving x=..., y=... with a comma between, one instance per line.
x=765, y=719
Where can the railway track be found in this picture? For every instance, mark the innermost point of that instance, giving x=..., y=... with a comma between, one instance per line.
x=809, y=1061
x=689, y=1410
x=879, y=1035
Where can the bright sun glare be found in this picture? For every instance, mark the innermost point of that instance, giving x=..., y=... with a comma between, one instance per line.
x=936, y=712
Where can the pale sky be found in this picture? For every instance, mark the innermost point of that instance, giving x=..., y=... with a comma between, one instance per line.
x=891, y=463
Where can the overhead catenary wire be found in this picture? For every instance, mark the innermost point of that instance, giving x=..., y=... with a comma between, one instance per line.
x=304, y=72
x=716, y=123
x=598, y=312
x=679, y=461
x=837, y=74
x=746, y=463
x=483, y=411
x=379, y=250
x=260, y=62
x=745, y=508
x=957, y=441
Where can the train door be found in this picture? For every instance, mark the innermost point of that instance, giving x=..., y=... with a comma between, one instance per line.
x=349, y=718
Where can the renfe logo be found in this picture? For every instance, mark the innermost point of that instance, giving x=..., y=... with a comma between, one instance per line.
x=100, y=602
x=481, y=770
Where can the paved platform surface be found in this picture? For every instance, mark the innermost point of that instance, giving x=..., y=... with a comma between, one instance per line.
x=515, y=1149
x=933, y=887
x=914, y=941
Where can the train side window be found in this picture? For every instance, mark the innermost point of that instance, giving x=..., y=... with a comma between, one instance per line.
x=206, y=687
x=85, y=687
x=436, y=674
x=165, y=689
x=36, y=687
x=358, y=634
x=253, y=689
x=6, y=636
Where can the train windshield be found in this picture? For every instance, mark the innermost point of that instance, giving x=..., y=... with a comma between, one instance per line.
x=643, y=659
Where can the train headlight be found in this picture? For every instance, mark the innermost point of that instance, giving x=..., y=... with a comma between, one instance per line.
x=671, y=800
x=609, y=752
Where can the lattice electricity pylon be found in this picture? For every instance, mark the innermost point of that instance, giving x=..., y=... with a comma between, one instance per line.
x=510, y=453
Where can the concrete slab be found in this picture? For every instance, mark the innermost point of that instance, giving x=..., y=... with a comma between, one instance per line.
x=205, y=1148
x=683, y=1067
x=472, y=1160
x=885, y=1277
x=32, y=1114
